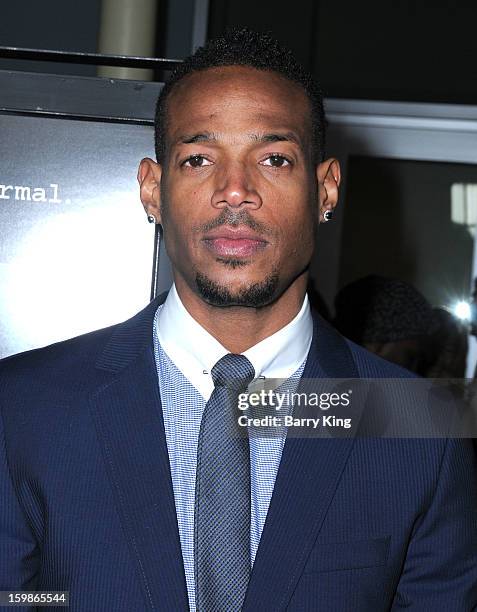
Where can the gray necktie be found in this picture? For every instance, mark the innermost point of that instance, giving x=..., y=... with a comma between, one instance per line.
x=222, y=495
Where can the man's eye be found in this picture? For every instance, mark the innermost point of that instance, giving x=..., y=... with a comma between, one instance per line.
x=276, y=161
x=197, y=161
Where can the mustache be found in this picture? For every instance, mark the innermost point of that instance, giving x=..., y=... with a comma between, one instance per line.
x=234, y=219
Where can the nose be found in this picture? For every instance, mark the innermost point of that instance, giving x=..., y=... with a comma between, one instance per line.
x=234, y=189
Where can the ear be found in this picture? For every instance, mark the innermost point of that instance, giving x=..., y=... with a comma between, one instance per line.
x=328, y=174
x=149, y=179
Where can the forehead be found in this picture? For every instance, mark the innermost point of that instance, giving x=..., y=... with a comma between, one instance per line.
x=237, y=99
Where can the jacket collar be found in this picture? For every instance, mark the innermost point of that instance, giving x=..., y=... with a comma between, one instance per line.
x=130, y=339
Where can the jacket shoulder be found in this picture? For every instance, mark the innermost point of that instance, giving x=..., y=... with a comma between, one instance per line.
x=62, y=371
x=372, y=366
x=63, y=367
x=358, y=361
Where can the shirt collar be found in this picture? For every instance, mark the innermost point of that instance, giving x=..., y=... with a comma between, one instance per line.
x=195, y=351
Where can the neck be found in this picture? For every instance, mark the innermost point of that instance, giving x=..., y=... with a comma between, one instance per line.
x=238, y=328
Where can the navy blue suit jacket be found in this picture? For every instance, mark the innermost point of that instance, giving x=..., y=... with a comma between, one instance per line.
x=355, y=524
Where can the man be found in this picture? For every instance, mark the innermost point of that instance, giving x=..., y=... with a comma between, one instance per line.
x=116, y=481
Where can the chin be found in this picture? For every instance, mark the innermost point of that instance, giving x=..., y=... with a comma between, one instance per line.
x=248, y=294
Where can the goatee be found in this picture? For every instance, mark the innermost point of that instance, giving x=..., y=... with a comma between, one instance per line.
x=255, y=295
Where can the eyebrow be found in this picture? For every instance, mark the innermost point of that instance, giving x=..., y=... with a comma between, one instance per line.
x=276, y=137
x=201, y=137
x=259, y=138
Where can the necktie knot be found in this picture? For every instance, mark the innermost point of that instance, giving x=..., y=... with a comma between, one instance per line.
x=233, y=371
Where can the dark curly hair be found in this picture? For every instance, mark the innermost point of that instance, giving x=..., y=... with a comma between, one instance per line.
x=244, y=47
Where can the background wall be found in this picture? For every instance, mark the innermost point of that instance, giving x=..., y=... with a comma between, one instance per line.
x=66, y=25
x=393, y=50
x=402, y=210
x=294, y=23
x=398, y=50
x=62, y=25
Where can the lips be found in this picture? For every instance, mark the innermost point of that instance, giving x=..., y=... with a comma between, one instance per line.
x=234, y=243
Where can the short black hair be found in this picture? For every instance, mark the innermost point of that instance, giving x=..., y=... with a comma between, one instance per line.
x=245, y=47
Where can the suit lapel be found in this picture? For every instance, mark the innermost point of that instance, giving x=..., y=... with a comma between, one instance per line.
x=306, y=481
x=128, y=417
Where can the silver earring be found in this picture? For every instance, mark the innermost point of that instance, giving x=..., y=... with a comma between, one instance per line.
x=327, y=215
x=151, y=218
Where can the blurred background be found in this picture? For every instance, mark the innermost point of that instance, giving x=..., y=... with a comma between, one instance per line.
x=400, y=85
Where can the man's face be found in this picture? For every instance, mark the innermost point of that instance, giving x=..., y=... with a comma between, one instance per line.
x=238, y=192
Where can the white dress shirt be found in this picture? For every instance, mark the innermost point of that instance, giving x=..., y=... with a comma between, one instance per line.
x=194, y=351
